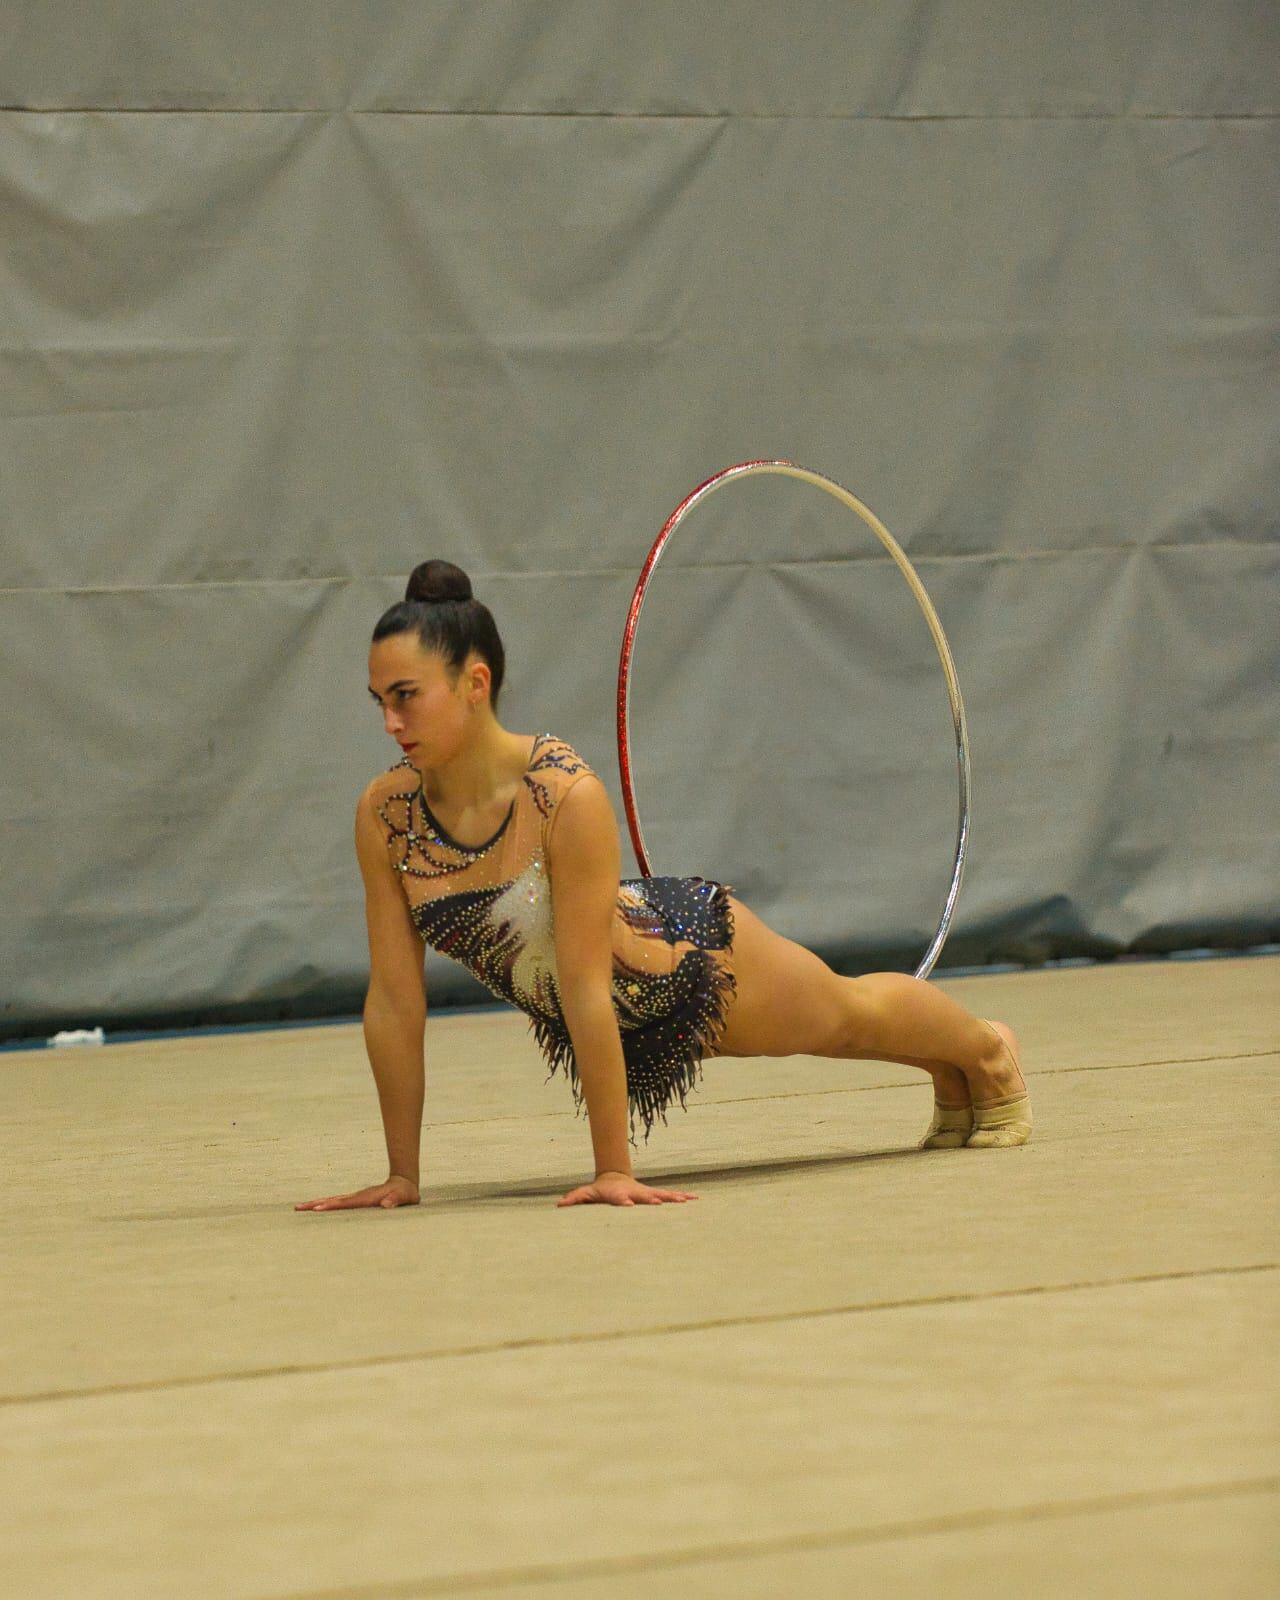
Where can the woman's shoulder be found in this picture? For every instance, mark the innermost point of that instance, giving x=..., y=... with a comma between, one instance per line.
x=403, y=778
x=550, y=753
x=554, y=767
x=388, y=795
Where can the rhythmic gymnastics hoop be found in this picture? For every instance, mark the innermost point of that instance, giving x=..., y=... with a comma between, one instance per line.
x=788, y=469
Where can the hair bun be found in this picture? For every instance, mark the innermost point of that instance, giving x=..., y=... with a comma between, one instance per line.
x=433, y=581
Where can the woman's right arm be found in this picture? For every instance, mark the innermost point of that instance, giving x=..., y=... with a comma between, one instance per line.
x=395, y=1015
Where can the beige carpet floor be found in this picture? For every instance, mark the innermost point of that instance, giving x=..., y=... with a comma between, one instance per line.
x=850, y=1368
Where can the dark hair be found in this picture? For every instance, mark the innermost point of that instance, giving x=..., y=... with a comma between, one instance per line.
x=439, y=607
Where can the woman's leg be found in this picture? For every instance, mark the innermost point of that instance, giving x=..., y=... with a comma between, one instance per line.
x=789, y=1002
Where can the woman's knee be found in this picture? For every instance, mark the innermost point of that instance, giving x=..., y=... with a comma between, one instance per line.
x=856, y=1025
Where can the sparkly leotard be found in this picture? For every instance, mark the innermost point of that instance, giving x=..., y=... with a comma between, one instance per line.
x=490, y=908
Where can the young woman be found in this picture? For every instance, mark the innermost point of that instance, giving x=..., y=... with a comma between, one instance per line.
x=501, y=850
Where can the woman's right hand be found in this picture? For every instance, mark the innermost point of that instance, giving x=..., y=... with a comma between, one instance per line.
x=395, y=1191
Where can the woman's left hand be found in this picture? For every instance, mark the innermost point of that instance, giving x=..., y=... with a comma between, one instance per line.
x=620, y=1189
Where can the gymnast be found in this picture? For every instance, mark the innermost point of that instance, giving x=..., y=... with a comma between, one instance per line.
x=501, y=851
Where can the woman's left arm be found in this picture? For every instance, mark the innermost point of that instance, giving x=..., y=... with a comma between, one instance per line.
x=584, y=859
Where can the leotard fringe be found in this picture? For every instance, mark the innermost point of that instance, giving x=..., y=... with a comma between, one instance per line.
x=663, y=1056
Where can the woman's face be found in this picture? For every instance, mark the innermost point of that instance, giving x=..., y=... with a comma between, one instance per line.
x=425, y=709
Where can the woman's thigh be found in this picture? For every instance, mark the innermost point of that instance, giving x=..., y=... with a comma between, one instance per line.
x=788, y=1001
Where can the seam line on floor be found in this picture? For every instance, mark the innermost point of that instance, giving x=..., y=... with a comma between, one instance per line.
x=616, y=1335
x=334, y=109
x=795, y=1094
x=1055, y=1072
x=861, y=1088
x=781, y=1544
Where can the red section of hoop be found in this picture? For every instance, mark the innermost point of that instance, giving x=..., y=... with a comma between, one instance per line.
x=628, y=641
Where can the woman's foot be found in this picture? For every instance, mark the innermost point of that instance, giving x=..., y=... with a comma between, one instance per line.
x=950, y=1128
x=952, y=1113
x=1001, y=1104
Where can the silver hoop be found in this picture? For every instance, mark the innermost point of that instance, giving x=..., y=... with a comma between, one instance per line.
x=788, y=469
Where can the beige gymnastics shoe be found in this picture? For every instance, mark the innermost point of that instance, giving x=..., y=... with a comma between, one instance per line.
x=1006, y=1121
x=998, y=1126
x=950, y=1127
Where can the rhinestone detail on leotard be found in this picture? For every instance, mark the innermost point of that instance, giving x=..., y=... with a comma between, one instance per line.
x=670, y=1008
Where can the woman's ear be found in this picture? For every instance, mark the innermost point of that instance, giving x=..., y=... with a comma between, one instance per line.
x=479, y=684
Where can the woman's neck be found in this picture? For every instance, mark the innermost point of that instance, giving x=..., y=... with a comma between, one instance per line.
x=483, y=772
